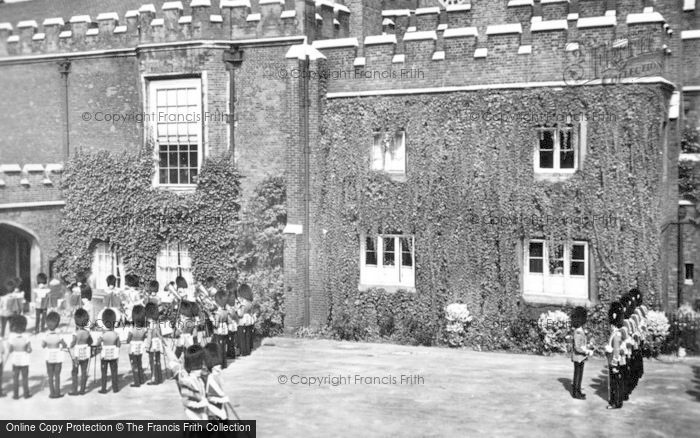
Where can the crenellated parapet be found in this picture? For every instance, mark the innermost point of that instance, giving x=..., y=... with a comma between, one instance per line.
x=175, y=21
x=541, y=41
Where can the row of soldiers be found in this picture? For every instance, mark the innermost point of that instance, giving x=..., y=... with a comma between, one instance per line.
x=228, y=327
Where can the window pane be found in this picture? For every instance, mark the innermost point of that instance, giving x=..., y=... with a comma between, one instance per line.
x=566, y=160
x=536, y=249
x=163, y=176
x=173, y=176
x=396, y=157
x=578, y=252
x=389, y=251
x=406, y=252
x=556, y=261
x=547, y=159
x=578, y=268
x=689, y=271
x=546, y=140
x=377, y=155
x=370, y=252
x=536, y=266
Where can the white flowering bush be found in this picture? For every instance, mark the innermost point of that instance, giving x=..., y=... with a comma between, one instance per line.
x=658, y=329
x=458, y=318
x=555, y=327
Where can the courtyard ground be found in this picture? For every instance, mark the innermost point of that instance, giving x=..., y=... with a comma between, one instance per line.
x=445, y=393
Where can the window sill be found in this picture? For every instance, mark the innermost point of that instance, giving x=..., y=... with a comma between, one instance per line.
x=553, y=176
x=556, y=300
x=184, y=188
x=688, y=282
x=388, y=289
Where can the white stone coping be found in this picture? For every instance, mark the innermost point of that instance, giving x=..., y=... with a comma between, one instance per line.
x=428, y=11
x=524, y=50
x=187, y=19
x=648, y=9
x=336, y=22
x=8, y=26
x=319, y=17
x=39, y=36
x=10, y=168
x=130, y=14
x=604, y=21
x=388, y=21
x=541, y=26
x=458, y=8
x=500, y=29
x=536, y=18
x=302, y=51
x=573, y=16
x=335, y=43
x=92, y=32
x=340, y=8
x=653, y=17
x=13, y=39
x=234, y=3
x=54, y=167
x=254, y=17
x=360, y=61
x=33, y=168
x=396, y=13
x=148, y=8
x=411, y=29
x=457, y=32
x=320, y=3
x=689, y=5
x=65, y=34
x=157, y=22
x=200, y=4
x=423, y=35
x=442, y=27
x=399, y=59
x=172, y=5
x=293, y=229
x=610, y=13
x=81, y=19
x=216, y=18
x=288, y=14
x=554, y=1
x=690, y=34
x=439, y=55
x=27, y=23
x=481, y=53
x=120, y=29
x=521, y=3
x=380, y=39
x=271, y=2
x=108, y=16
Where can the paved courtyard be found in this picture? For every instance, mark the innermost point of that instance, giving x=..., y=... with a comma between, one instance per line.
x=359, y=391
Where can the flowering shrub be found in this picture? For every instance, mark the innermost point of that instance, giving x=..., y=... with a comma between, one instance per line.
x=658, y=330
x=554, y=329
x=457, y=317
x=684, y=329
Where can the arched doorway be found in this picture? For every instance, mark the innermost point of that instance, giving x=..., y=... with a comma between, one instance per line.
x=20, y=256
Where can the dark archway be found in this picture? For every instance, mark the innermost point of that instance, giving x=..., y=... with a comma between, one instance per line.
x=19, y=256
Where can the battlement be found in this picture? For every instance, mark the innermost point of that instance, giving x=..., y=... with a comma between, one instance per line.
x=482, y=43
x=30, y=183
x=232, y=20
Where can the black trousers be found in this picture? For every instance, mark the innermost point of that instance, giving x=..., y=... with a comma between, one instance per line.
x=40, y=315
x=245, y=339
x=79, y=366
x=24, y=371
x=221, y=343
x=54, y=372
x=2, y=368
x=113, y=365
x=137, y=369
x=616, y=387
x=578, y=377
x=156, y=370
x=3, y=322
x=232, y=341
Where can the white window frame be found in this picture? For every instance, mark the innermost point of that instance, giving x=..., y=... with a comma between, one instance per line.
x=382, y=155
x=379, y=275
x=156, y=85
x=106, y=261
x=562, y=285
x=557, y=130
x=174, y=260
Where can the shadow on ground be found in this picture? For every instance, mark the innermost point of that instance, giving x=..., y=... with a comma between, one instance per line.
x=600, y=384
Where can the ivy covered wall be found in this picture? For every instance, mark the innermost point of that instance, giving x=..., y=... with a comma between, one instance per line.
x=462, y=166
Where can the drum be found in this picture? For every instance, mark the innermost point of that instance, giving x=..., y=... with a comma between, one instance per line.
x=118, y=322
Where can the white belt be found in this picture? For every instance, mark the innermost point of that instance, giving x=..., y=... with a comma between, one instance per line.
x=110, y=352
x=135, y=347
x=81, y=352
x=54, y=355
x=20, y=358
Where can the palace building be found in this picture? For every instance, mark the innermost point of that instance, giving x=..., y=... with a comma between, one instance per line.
x=502, y=153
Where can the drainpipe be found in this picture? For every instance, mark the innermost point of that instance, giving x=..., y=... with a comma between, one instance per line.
x=307, y=193
x=64, y=69
x=232, y=58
